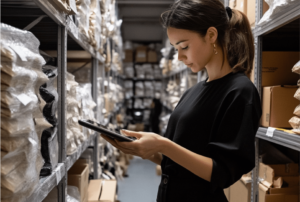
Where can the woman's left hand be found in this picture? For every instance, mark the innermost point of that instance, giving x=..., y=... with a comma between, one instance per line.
x=145, y=145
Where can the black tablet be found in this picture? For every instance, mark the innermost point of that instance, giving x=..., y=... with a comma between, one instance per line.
x=101, y=129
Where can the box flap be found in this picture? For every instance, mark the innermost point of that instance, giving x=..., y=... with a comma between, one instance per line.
x=266, y=106
x=246, y=179
x=94, y=190
x=278, y=181
x=108, y=191
x=266, y=175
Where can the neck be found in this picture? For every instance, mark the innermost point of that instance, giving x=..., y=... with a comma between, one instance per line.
x=214, y=68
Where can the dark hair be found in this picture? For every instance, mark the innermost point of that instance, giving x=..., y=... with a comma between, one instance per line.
x=234, y=33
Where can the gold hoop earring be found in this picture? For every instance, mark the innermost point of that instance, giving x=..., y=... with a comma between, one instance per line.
x=215, y=50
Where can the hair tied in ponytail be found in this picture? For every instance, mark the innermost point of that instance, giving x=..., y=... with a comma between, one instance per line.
x=229, y=12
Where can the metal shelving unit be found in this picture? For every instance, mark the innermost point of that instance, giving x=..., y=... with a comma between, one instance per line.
x=289, y=140
x=64, y=26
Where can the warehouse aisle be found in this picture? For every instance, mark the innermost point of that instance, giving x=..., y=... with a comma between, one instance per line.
x=142, y=183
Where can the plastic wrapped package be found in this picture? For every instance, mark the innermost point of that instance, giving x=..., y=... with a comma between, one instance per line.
x=15, y=104
x=71, y=145
x=83, y=9
x=73, y=194
x=148, y=71
x=140, y=72
x=276, y=8
x=128, y=70
x=16, y=126
x=25, y=48
x=138, y=103
x=295, y=122
x=19, y=179
x=297, y=111
x=296, y=68
x=297, y=94
x=95, y=24
x=100, y=103
x=63, y=6
x=139, y=88
x=149, y=89
x=88, y=105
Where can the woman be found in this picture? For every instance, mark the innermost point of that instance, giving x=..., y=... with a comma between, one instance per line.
x=209, y=142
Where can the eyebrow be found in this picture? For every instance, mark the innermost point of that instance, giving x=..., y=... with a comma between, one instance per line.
x=179, y=42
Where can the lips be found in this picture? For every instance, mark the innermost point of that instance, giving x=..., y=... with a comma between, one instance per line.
x=189, y=65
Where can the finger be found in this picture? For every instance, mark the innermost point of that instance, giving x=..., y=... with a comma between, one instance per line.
x=132, y=133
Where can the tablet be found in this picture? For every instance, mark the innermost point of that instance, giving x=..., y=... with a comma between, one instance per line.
x=101, y=129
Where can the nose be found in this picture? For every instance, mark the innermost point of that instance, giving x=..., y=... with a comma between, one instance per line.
x=181, y=56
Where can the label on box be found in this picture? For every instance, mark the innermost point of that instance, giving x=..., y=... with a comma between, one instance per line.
x=20, y=53
x=58, y=175
x=270, y=132
x=25, y=99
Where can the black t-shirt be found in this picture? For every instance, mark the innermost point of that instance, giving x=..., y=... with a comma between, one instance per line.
x=218, y=119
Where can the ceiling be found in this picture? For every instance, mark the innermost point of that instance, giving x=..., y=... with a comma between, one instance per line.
x=141, y=19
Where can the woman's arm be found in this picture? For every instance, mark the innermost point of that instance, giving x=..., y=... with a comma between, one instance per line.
x=199, y=165
x=149, y=145
x=156, y=158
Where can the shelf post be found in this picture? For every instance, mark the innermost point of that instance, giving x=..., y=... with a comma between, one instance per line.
x=94, y=74
x=62, y=71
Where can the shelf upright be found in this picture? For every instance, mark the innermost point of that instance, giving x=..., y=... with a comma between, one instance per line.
x=62, y=71
x=94, y=74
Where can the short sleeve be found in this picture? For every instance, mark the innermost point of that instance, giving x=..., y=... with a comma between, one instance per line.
x=232, y=148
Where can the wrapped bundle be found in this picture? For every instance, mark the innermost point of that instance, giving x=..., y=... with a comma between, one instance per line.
x=21, y=73
x=83, y=9
x=95, y=24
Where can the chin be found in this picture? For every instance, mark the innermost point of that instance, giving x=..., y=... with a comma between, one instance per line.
x=196, y=70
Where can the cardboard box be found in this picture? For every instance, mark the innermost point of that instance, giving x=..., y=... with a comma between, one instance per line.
x=241, y=5
x=251, y=11
x=288, y=173
x=278, y=104
x=241, y=190
x=128, y=56
x=102, y=191
x=277, y=68
x=285, y=195
x=152, y=56
x=78, y=176
x=141, y=54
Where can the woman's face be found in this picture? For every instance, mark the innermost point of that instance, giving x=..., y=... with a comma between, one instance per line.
x=193, y=50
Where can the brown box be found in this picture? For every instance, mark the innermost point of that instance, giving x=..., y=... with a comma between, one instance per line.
x=78, y=176
x=128, y=56
x=152, y=56
x=241, y=190
x=141, y=54
x=289, y=194
x=251, y=11
x=289, y=174
x=227, y=193
x=278, y=104
x=102, y=191
x=277, y=68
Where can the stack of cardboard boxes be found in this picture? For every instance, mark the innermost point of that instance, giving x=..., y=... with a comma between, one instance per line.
x=142, y=54
x=279, y=183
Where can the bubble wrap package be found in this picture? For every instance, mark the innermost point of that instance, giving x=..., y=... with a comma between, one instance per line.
x=83, y=8
x=73, y=194
x=95, y=24
x=74, y=109
x=88, y=105
x=276, y=8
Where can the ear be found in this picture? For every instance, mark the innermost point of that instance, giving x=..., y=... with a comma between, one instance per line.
x=212, y=34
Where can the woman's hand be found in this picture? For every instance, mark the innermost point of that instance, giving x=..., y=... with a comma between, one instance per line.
x=145, y=146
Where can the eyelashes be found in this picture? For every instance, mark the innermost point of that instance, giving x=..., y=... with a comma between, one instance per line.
x=185, y=48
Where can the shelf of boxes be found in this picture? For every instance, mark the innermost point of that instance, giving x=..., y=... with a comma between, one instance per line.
x=58, y=177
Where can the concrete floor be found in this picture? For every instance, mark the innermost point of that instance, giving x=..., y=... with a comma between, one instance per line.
x=142, y=183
